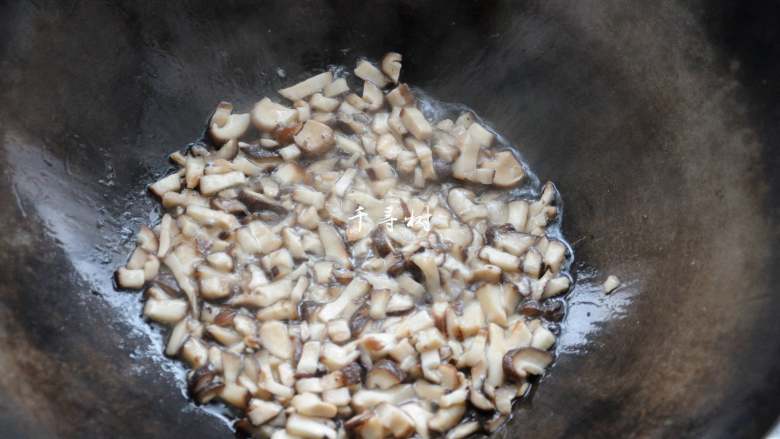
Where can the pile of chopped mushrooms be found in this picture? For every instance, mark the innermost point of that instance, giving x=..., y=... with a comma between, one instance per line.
x=300, y=294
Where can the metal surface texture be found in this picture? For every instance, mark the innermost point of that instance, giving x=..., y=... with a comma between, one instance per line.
x=656, y=120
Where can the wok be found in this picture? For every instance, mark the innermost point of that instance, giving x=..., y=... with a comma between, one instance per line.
x=657, y=121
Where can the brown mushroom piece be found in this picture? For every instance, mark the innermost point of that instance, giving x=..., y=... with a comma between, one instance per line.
x=508, y=171
x=315, y=138
x=401, y=96
x=231, y=206
x=396, y=421
x=204, y=385
x=365, y=425
x=520, y=363
x=257, y=202
x=384, y=374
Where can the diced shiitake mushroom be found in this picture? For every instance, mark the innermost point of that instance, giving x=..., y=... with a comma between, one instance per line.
x=415, y=122
x=315, y=325
x=132, y=279
x=315, y=138
x=368, y=72
x=308, y=87
x=268, y=115
x=384, y=374
x=391, y=66
x=520, y=363
x=611, y=284
x=226, y=126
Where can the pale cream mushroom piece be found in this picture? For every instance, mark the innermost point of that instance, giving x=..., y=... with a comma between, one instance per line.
x=147, y=240
x=508, y=171
x=463, y=430
x=260, y=411
x=414, y=121
x=131, y=279
x=211, y=184
x=373, y=96
x=315, y=138
x=336, y=88
x=289, y=153
x=368, y=72
x=611, y=284
x=391, y=65
x=275, y=338
x=307, y=87
x=394, y=420
x=447, y=418
x=309, y=427
x=384, y=374
x=322, y=103
x=303, y=109
x=170, y=183
x=520, y=363
x=225, y=126
x=268, y=115
x=310, y=404
x=194, y=167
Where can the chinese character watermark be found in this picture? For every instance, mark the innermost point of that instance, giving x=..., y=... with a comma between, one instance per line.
x=359, y=215
x=421, y=221
x=388, y=219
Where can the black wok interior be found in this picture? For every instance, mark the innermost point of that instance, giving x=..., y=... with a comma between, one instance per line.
x=658, y=121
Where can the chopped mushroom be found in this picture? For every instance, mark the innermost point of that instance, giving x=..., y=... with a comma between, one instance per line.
x=260, y=411
x=341, y=274
x=170, y=183
x=268, y=115
x=226, y=126
x=309, y=427
x=368, y=72
x=447, y=418
x=310, y=404
x=522, y=362
x=415, y=122
x=509, y=172
x=165, y=311
x=395, y=420
x=315, y=138
x=384, y=374
x=463, y=430
x=275, y=338
x=391, y=65
x=132, y=279
x=611, y=284
x=335, y=88
x=308, y=87
x=211, y=184
x=373, y=96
